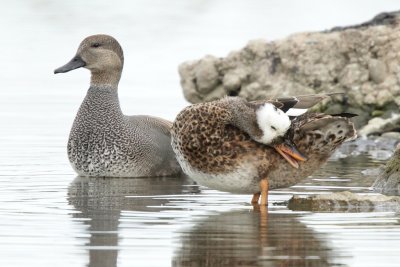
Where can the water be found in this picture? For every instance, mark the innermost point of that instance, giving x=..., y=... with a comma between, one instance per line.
x=45, y=217
x=49, y=217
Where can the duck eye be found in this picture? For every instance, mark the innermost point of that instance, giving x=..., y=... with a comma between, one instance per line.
x=273, y=128
x=95, y=45
x=275, y=108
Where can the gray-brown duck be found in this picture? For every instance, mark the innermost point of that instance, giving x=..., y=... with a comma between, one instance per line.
x=103, y=141
x=244, y=147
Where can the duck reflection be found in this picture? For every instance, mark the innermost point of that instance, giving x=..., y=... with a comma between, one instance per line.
x=246, y=238
x=101, y=200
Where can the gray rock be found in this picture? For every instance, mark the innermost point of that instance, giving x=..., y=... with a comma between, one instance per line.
x=363, y=114
x=371, y=172
x=218, y=93
x=391, y=135
x=379, y=125
x=233, y=80
x=384, y=18
x=361, y=60
x=377, y=70
x=206, y=75
x=388, y=181
x=345, y=202
x=380, y=154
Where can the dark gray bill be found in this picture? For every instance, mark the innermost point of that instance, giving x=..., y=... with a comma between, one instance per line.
x=75, y=63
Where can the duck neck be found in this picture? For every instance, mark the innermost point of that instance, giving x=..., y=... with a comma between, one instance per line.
x=102, y=101
x=99, y=113
x=109, y=78
x=243, y=117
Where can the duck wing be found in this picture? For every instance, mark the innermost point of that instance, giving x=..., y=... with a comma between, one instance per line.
x=283, y=103
x=298, y=102
x=160, y=125
x=307, y=101
x=330, y=127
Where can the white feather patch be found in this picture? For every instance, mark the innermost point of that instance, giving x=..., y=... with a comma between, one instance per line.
x=296, y=111
x=273, y=122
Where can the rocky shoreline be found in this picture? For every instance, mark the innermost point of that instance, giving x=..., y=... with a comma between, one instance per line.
x=360, y=60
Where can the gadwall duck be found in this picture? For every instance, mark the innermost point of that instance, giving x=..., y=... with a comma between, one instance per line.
x=245, y=147
x=103, y=141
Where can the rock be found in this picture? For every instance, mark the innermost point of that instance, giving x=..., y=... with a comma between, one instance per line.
x=366, y=145
x=384, y=18
x=233, y=80
x=374, y=147
x=388, y=181
x=353, y=75
x=206, y=78
x=391, y=135
x=206, y=75
x=377, y=113
x=218, y=93
x=377, y=70
x=380, y=154
x=345, y=201
x=361, y=60
x=362, y=115
x=379, y=125
x=371, y=172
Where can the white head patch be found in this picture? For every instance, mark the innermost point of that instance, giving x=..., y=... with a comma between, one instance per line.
x=272, y=121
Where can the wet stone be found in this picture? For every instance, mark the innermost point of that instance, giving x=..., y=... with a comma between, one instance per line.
x=388, y=181
x=345, y=202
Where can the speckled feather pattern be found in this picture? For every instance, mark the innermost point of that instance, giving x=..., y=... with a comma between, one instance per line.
x=217, y=154
x=104, y=142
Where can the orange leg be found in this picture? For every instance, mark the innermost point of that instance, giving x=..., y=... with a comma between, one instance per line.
x=262, y=209
x=264, y=225
x=264, y=192
x=255, y=198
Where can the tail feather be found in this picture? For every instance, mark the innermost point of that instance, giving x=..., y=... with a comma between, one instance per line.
x=323, y=134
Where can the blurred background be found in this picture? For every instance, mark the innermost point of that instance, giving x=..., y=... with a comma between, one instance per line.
x=39, y=226
x=40, y=35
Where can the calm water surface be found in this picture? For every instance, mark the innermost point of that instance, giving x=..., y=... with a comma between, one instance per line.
x=50, y=217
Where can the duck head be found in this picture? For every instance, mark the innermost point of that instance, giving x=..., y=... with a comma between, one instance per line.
x=102, y=55
x=274, y=124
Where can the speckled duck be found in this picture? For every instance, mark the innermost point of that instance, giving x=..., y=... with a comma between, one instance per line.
x=103, y=141
x=238, y=146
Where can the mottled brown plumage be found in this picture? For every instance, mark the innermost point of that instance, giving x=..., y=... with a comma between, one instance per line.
x=216, y=146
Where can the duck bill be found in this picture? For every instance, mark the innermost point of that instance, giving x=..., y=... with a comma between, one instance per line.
x=289, y=152
x=75, y=63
